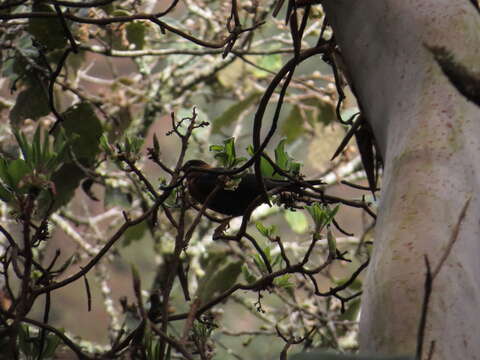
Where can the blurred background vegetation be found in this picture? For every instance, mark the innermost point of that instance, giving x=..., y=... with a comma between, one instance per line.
x=84, y=90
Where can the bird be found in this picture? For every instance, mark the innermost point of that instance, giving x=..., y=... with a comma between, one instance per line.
x=229, y=200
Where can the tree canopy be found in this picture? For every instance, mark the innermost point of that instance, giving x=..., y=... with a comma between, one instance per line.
x=103, y=102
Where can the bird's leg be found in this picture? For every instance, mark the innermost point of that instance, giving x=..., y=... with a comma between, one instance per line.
x=219, y=231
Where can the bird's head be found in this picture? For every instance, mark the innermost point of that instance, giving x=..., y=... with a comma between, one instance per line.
x=192, y=165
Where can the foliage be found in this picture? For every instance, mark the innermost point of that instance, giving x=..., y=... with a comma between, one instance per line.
x=106, y=101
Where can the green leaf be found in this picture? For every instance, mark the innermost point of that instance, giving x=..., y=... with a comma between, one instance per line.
x=18, y=67
x=353, y=308
x=230, y=150
x=226, y=153
x=66, y=179
x=47, y=31
x=232, y=114
x=292, y=127
x=266, y=169
x=277, y=260
x=132, y=146
x=219, y=280
x=249, y=277
x=123, y=119
x=281, y=156
x=52, y=342
x=39, y=154
x=317, y=213
x=31, y=103
x=322, y=112
x=283, y=281
x=268, y=232
x=25, y=343
x=258, y=260
x=270, y=62
x=116, y=196
x=5, y=195
x=297, y=221
x=121, y=12
x=135, y=278
x=171, y=200
x=202, y=331
x=83, y=128
x=23, y=145
x=17, y=169
x=105, y=145
x=134, y=233
x=136, y=34
x=332, y=243
x=284, y=160
x=216, y=148
x=356, y=285
x=321, y=215
x=4, y=170
x=151, y=345
x=330, y=214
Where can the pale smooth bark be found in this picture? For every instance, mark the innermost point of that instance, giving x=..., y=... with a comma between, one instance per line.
x=429, y=136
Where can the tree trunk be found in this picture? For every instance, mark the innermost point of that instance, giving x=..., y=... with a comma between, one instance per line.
x=429, y=137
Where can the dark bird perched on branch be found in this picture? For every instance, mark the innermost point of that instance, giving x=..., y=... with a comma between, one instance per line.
x=230, y=200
